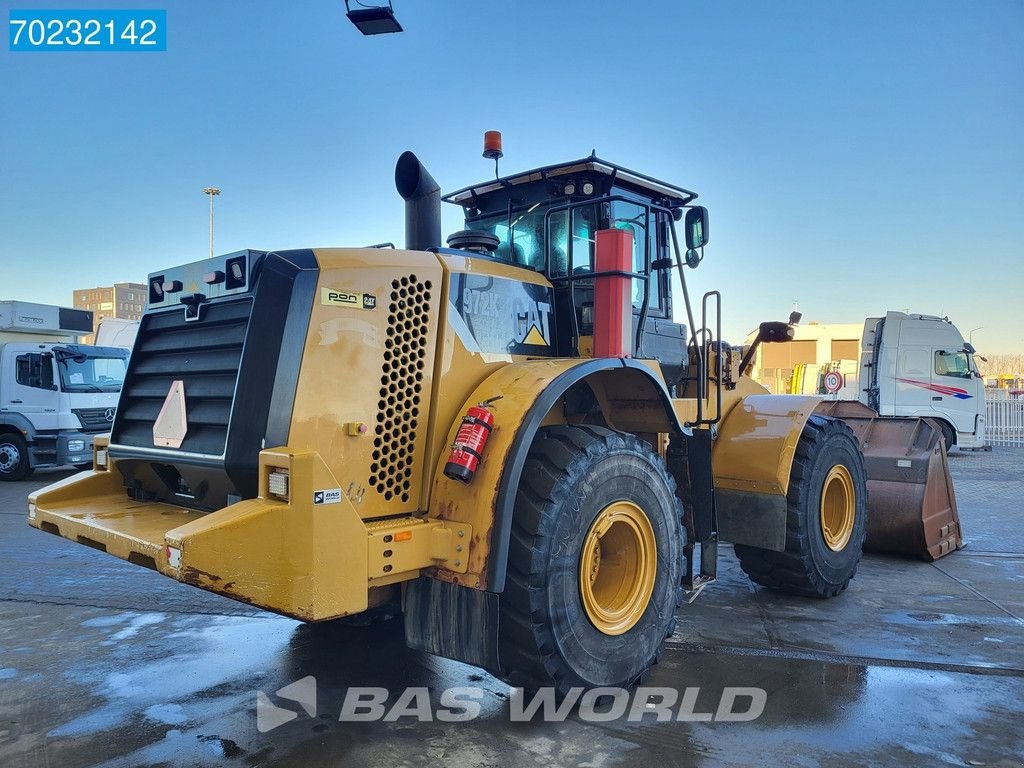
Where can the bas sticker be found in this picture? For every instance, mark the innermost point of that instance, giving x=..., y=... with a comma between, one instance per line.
x=329, y=496
x=331, y=297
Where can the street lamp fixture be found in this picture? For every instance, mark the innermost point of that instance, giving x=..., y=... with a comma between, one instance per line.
x=970, y=334
x=373, y=19
x=212, y=192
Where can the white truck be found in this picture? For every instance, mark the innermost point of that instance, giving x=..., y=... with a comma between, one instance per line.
x=55, y=395
x=920, y=365
x=909, y=365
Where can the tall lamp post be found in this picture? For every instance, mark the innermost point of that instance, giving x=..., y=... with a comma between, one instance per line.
x=211, y=192
x=970, y=334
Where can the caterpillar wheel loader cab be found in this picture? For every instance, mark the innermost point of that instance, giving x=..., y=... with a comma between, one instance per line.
x=510, y=433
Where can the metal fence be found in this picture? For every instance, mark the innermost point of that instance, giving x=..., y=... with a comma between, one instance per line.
x=1004, y=422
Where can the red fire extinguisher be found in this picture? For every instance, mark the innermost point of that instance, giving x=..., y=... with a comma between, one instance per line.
x=468, y=448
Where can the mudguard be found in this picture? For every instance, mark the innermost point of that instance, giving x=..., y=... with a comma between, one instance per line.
x=632, y=397
x=752, y=459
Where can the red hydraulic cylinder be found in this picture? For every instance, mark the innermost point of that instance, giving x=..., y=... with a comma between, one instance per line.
x=613, y=305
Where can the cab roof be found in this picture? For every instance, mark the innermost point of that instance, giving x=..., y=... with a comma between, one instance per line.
x=672, y=195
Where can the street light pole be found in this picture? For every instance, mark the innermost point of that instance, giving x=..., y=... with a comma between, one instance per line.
x=211, y=192
x=970, y=334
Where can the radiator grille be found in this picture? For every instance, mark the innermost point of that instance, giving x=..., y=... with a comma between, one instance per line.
x=94, y=419
x=205, y=355
x=401, y=381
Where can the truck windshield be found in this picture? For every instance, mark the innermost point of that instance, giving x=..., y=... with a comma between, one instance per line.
x=83, y=372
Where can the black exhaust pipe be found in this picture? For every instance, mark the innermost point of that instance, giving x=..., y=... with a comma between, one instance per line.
x=422, y=198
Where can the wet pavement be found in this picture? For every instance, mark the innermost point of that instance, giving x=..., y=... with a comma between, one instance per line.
x=105, y=663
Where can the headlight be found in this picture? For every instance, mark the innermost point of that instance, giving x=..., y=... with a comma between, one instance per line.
x=76, y=446
x=277, y=484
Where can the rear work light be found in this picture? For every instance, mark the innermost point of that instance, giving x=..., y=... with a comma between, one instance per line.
x=277, y=484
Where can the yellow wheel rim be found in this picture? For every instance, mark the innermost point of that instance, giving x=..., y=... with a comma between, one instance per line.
x=838, y=508
x=617, y=568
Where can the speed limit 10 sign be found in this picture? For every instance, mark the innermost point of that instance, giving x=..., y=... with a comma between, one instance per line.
x=833, y=382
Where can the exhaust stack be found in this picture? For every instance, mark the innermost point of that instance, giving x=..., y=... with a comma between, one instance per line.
x=422, y=197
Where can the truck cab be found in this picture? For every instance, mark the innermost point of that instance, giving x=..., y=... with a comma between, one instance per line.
x=55, y=395
x=924, y=369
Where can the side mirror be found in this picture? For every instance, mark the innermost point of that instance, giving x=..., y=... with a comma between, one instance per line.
x=774, y=332
x=696, y=224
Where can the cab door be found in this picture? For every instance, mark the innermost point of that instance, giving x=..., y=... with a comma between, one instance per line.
x=913, y=391
x=955, y=388
x=31, y=390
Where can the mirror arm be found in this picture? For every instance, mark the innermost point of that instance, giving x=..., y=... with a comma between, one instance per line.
x=748, y=357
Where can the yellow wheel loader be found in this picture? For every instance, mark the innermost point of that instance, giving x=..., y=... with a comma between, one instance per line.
x=511, y=435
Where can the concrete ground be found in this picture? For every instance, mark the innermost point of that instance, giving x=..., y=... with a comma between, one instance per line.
x=105, y=663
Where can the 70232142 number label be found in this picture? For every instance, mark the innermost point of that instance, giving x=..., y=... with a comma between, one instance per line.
x=87, y=30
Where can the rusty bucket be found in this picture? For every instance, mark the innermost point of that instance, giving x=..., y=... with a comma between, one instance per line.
x=911, y=503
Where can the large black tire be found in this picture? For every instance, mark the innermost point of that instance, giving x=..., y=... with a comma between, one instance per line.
x=809, y=566
x=546, y=638
x=13, y=457
x=948, y=434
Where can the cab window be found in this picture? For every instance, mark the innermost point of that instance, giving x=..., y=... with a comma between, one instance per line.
x=571, y=235
x=577, y=228
x=913, y=362
x=953, y=364
x=520, y=235
x=34, y=370
x=635, y=219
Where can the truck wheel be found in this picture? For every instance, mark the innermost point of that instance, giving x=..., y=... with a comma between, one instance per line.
x=826, y=518
x=595, y=562
x=13, y=457
x=948, y=435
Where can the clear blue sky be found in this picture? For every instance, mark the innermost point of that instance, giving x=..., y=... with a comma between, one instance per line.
x=855, y=156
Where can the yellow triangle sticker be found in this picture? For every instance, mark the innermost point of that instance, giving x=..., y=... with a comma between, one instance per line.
x=535, y=337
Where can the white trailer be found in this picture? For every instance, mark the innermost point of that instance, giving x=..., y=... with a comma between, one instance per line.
x=55, y=395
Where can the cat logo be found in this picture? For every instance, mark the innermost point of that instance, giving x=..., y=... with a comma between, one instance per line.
x=332, y=297
x=532, y=321
x=535, y=337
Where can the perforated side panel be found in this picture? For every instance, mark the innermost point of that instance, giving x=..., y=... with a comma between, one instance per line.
x=401, y=381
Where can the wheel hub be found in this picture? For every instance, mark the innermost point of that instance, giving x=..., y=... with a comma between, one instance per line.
x=10, y=457
x=838, y=508
x=618, y=563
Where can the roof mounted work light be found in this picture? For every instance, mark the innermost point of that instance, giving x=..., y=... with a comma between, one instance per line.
x=373, y=19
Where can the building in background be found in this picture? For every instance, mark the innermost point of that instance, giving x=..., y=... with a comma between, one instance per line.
x=125, y=301
x=813, y=344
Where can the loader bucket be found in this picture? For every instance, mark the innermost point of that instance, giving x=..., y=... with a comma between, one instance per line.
x=911, y=503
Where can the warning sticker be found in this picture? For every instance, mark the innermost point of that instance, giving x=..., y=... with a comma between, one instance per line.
x=327, y=496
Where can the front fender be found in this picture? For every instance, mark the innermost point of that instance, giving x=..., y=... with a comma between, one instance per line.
x=527, y=392
x=19, y=422
x=752, y=459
